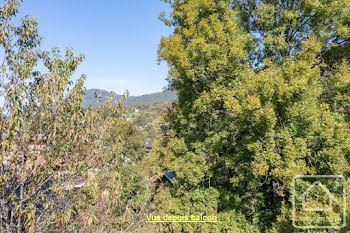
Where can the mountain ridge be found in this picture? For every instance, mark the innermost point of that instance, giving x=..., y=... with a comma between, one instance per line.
x=153, y=98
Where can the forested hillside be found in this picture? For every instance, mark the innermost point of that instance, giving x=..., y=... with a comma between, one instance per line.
x=159, y=97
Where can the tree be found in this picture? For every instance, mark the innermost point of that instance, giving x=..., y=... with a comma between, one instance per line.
x=255, y=106
x=47, y=137
x=280, y=27
x=130, y=138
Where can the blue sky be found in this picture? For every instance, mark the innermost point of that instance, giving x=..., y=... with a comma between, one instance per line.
x=118, y=37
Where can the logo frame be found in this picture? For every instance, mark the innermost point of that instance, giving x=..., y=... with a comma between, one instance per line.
x=320, y=209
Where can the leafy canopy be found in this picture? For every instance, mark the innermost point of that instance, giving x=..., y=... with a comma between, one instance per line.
x=262, y=97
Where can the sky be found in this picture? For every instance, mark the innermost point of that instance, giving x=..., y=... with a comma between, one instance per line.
x=118, y=37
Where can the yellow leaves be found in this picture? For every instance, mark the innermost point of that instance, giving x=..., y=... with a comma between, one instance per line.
x=314, y=3
x=201, y=103
x=342, y=78
x=242, y=99
x=190, y=31
x=232, y=103
x=237, y=46
x=198, y=43
x=290, y=14
x=259, y=168
x=296, y=78
x=265, y=13
x=253, y=102
x=343, y=30
x=234, y=181
x=173, y=50
x=312, y=44
x=212, y=36
x=216, y=93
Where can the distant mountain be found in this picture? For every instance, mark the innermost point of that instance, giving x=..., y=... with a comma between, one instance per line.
x=159, y=97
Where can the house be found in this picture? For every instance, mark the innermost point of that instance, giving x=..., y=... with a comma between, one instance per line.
x=323, y=194
x=35, y=144
x=168, y=177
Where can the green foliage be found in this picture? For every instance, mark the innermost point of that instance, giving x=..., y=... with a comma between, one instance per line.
x=263, y=95
x=262, y=98
x=126, y=134
x=148, y=119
